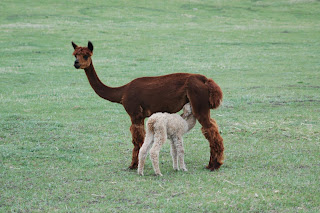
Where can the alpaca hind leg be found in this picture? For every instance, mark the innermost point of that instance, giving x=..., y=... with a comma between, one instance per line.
x=138, y=134
x=144, y=152
x=201, y=110
x=159, y=140
x=216, y=146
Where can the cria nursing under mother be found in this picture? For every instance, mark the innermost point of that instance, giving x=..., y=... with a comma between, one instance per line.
x=160, y=127
x=169, y=93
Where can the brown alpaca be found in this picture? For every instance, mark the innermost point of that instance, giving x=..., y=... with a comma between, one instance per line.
x=169, y=93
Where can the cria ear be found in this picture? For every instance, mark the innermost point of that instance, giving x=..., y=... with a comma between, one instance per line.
x=90, y=46
x=74, y=45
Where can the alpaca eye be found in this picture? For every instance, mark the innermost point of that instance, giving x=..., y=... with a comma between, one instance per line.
x=85, y=57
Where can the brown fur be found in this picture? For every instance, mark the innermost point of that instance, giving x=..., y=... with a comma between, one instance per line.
x=138, y=134
x=215, y=94
x=216, y=145
x=169, y=93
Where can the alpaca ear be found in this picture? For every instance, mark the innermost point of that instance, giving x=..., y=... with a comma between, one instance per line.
x=74, y=45
x=90, y=46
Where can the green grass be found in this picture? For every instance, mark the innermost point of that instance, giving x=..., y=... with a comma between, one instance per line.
x=64, y=149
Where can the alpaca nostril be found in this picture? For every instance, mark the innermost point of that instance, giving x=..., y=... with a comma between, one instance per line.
x=76, y=65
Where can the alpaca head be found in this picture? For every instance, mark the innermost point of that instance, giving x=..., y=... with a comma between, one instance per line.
x=83, y=55
x=187, y=110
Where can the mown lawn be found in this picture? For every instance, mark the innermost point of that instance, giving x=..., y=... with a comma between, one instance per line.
x=64, y=149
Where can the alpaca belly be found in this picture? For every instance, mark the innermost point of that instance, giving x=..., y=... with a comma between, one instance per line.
x=170, y=97
x=176, y=126
x=164, y=104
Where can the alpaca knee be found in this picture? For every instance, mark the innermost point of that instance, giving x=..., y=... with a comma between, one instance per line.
x=138, y=134
x=154, y=156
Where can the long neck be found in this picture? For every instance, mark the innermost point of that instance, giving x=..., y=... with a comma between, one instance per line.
x=191, y=122
x=108, y=93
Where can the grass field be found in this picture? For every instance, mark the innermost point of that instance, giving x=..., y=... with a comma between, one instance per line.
x=64, y=149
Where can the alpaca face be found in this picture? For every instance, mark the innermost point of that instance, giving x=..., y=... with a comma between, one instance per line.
x=187, y=110
x=83, y=55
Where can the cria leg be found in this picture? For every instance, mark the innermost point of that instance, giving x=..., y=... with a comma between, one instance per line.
x=159, y=140
x=174, y=155
x=144, y=151
x=180, y=150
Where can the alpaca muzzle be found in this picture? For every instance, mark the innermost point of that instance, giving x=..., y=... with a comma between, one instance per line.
x=76, y=64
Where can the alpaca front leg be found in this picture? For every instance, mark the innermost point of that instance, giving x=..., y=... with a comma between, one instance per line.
x=138, y=134
x=180, y=150
x=173, y=152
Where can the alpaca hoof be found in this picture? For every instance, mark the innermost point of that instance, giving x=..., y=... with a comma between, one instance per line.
x=213, y=167
x=217, y=165
x=159, y=174
x=184, y=169
x=209, y=167
x=140, y=173
x=132, y=167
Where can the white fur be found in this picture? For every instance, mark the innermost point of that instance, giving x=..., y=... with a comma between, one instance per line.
x=161, y=126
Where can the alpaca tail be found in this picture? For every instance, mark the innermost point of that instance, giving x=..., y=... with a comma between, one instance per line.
x=215, y=94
